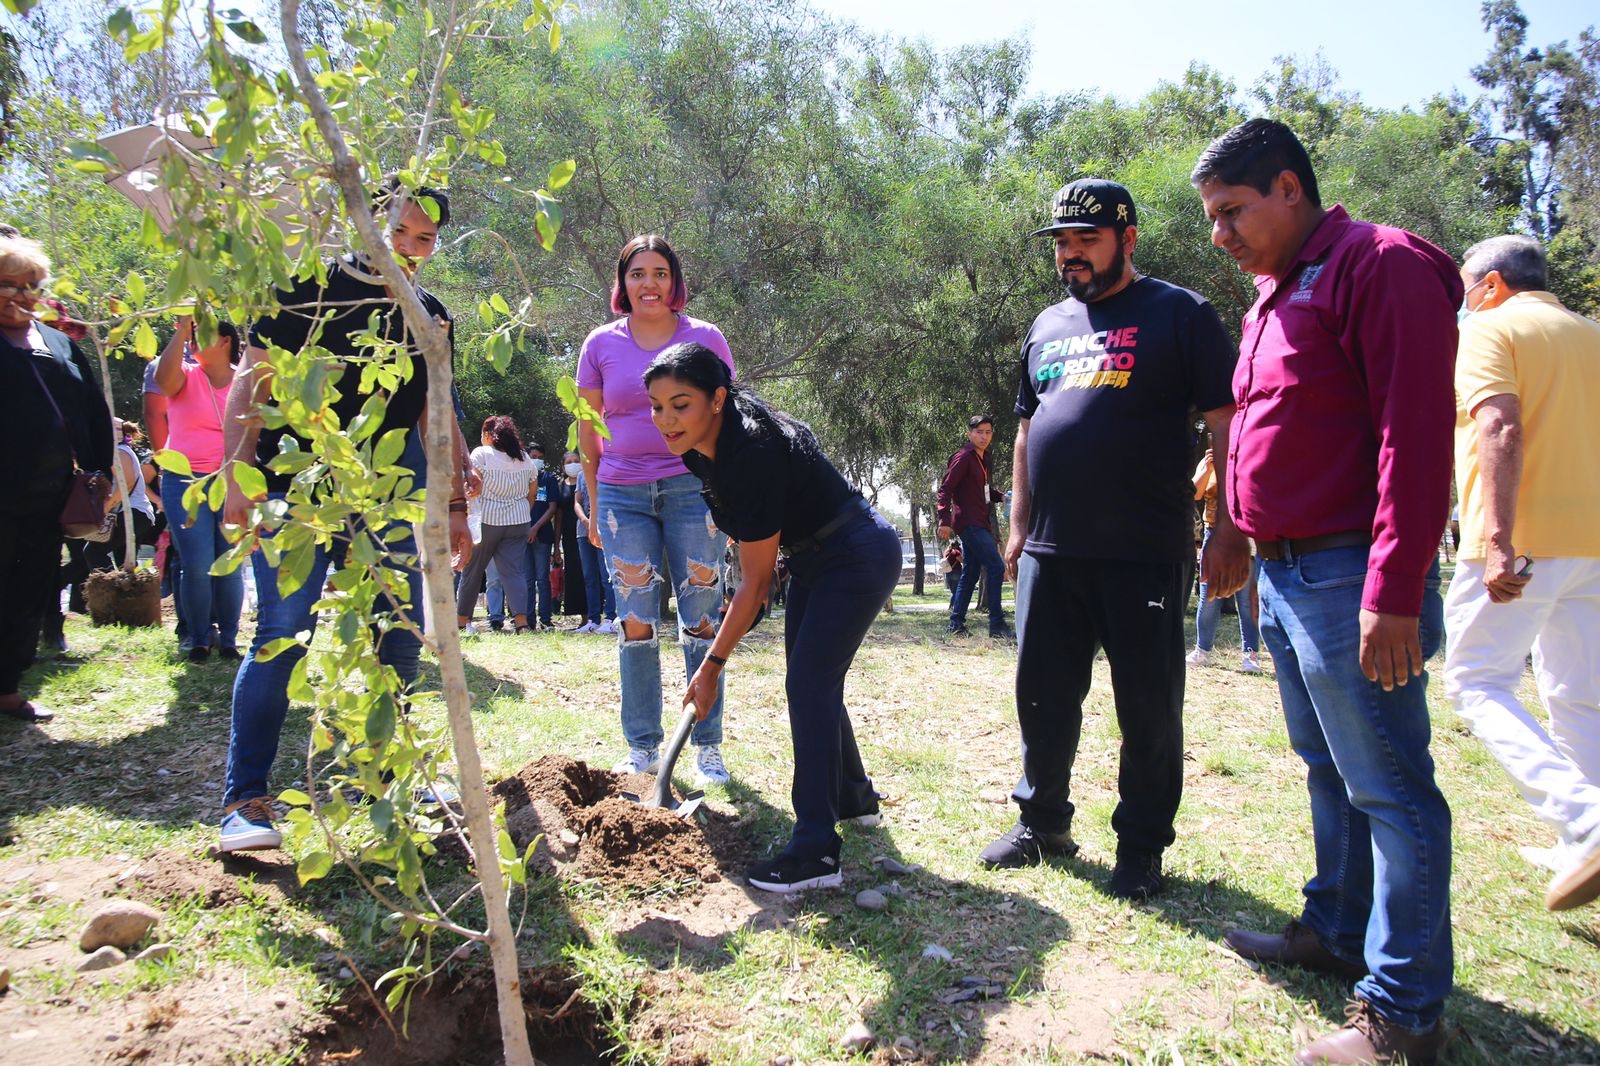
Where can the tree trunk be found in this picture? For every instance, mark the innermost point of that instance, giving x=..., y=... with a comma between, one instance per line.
x=916, y=548
x=131, y=558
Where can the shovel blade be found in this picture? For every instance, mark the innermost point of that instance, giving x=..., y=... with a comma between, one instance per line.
x=682, y=808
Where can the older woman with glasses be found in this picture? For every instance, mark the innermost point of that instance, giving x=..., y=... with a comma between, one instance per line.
x=53, y=419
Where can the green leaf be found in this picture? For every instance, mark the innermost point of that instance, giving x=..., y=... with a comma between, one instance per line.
x=273, y=648
x=381, y=721
x=562, y=173
x=508, y=847
x=248, y=31
x=314, y=866
x=177, y=462
x=382, y=815
x=390, y=445
x=498, y=302
x=135, y=285
x=120, y=24
x=567, y=392
x=294, y=798
x=252, y=482
x=144, y=340
x=555, y=36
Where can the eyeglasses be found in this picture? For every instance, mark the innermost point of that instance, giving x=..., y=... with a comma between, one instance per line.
x=8, y=289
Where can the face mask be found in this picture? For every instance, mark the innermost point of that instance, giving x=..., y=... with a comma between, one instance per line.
x=1462, y=312
x=538, y=466
x=573, y=469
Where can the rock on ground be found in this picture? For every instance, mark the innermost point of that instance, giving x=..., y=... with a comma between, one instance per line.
x=156, y=952
x=857, y=1038
x=103, y=959
x=120, y=923
x=869, y=899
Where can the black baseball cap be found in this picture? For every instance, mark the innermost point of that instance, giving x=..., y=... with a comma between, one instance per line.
x=1087, y=203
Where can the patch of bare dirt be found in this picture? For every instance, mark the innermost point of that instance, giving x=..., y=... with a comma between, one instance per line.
x=589, y=831
x=176, y=874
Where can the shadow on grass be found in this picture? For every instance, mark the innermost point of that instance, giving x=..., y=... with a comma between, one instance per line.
x=996, y=940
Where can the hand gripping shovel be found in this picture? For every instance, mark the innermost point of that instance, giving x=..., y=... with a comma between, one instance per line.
x=669, y=758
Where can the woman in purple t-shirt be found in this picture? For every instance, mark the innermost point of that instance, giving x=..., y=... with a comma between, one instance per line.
x=647, y=507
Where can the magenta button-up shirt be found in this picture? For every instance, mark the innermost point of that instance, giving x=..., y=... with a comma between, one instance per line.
x=1346, y=403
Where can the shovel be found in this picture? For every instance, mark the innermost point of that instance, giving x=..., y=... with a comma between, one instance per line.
x=663, y=794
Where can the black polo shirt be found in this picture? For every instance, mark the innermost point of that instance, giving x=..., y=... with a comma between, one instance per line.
x=349, y=305
x=769, y=477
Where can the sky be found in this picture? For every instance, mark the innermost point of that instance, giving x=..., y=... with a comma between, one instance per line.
x=1390, y=52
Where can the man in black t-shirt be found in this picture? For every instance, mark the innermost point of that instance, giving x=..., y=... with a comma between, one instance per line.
x=333, y=316
x=544, y=540
x=1101, y=546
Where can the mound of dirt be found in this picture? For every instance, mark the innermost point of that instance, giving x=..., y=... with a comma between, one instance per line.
x=177, y=874
x=617, y=841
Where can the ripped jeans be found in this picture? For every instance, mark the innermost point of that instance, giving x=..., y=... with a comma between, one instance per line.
x=639, y=524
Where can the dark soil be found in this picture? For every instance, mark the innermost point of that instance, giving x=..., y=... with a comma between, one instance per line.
x=619, y=842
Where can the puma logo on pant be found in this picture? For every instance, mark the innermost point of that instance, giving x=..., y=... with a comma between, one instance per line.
x=1161, y=603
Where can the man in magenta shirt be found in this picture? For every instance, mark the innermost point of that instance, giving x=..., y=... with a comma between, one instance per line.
x=1339, y=467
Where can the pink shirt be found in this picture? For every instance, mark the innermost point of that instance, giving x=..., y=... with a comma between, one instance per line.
x=1346, y=402
x=613, y=363
x=194, y=420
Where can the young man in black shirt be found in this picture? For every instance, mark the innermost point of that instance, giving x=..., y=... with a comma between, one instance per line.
x=1101, y=546
x=352, y=295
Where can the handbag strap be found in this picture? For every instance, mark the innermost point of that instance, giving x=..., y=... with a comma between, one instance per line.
x=53, y=406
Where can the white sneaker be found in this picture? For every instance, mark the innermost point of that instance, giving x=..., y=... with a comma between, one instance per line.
x=608, y=627
x=470, y=630
x=1555, y=858
x=1248, y=664
x=587, y=627
x=639, y=761
x=1198, y=657
x=866, y=821
x=708, y=766
x=248, y=827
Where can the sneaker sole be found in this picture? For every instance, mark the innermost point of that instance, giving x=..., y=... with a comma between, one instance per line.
x=865, y=821
x=833, y=880
x=1576, y=887
x=253, y=842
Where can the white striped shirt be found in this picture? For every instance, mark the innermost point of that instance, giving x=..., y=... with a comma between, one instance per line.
x=504, y=501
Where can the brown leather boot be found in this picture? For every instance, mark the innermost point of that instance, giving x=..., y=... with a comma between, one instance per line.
x=1369, y=1039
x=1295, y=946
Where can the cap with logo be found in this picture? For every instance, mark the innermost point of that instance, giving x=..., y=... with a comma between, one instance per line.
x=1087, y=203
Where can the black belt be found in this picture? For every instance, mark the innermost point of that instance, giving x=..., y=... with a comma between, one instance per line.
x=1289, y=549
x=833, y=525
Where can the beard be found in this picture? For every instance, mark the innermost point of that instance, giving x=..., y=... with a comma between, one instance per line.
x=1100, y=281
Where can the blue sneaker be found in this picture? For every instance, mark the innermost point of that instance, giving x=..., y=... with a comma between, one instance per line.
x=248, y=826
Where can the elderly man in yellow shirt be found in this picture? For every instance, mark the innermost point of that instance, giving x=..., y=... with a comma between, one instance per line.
x=1528, y=475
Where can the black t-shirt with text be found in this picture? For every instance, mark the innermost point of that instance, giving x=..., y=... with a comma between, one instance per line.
x=768, y=477
x=349, y=303
x=1108, y=388
x=549, y=495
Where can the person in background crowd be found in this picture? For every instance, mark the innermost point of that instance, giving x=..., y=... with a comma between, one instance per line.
x=771, y=489
x=508, y=491
x=965, y=496
x=52, y=415
x=196, y=395
x=599, y=598
x=1102, y=551
x=646, y=510
x=112, y=554
x=574, y=593
x=1528, y=474
x=1210, y=609
x=1344, y=367
x=543, y=539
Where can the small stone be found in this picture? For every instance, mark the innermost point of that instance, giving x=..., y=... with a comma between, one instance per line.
x=905, y=1043
x=5, y=978
x=783, y=1060
x=113, y=1036
x=118, y=922
x=893, y=888
x=345, y=973
x=103, y=959
x=857, y=1038
x=870, y=899
x=163, y=772
x=280, y=1001
x=156, y=953
x=894, y=867
x=934, y=951
x=567, y=837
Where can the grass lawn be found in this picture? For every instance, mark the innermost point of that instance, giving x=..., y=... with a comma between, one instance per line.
x=119, y=796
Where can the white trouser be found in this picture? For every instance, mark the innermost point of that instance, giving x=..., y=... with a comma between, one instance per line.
x=1558, y=617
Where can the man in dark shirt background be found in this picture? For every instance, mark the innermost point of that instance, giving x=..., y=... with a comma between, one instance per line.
x=1102, y=528
x=1340, y=470
x=965, y=496
x=544, y=540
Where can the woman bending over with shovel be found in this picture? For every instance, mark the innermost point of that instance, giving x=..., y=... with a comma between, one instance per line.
x=771, y=489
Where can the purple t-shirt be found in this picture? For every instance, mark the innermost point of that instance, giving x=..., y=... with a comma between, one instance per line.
x=613, y=363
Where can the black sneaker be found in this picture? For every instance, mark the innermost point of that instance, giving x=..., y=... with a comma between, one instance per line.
x=1023, y=846
x=787, y=873
x=199, y=653
x=1002, y=632
x=1137, y=875
x=958, y=631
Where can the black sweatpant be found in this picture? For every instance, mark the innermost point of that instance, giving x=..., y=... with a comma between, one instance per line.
x=30, y=554
x=1067, y=609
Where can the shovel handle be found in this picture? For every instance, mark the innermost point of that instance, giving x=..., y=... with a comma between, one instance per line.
x=670, y=758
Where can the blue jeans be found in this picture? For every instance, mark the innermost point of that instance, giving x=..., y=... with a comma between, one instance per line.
x=596, y=579
x=978, y=552
x=1205, y=622
x=835, y=592
x=203, y=596
x=1381, y=828
x=539, y=581
x=495, y=591
x=639, y=526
